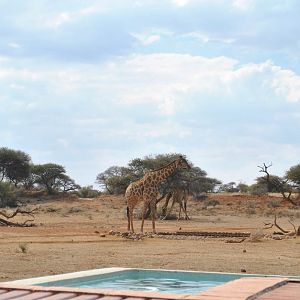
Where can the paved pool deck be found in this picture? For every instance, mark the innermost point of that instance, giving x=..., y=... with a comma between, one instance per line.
x=240, y=289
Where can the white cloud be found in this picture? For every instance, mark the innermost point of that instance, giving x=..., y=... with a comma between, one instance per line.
x=14, y=45
x=143, y=132
x=243, y=5
x=147, y=40
x=167, y=106
x=60, y=19
x=22, y=74
x=286, y=84
x=70, y=16
x=167, y=80
x=151, y=35
x=205, y=38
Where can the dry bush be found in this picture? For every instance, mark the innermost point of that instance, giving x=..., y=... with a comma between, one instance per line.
x=23, y=247
x=50, y=209
x=250, y=211
x=210, y=203
x=289, y=213
x=274, y=203
x=75, y=210
x=251, y=208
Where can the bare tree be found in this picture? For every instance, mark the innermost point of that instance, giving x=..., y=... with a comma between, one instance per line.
x=278, y=184
x=264, y=169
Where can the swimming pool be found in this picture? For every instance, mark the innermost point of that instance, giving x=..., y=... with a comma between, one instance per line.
x=148, y=280
x=162, y=281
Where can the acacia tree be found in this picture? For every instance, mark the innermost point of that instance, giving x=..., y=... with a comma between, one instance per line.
x=293, y=174
x=242, y=187
x=115, y=179
x=14, y=165
x=53, y=178
x=66, y=184
x=229, y=187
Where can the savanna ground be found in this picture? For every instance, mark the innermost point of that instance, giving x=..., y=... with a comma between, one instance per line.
x=73, y=235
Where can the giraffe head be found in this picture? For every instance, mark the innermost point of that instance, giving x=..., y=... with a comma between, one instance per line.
x=182, y=163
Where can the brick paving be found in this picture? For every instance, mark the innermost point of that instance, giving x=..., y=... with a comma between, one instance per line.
x=241, y=289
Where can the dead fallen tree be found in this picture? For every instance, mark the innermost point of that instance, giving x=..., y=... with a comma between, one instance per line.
x=6, y=219
x=295, y=232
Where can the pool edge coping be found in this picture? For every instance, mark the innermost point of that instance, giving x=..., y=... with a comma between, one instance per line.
x=93, y=272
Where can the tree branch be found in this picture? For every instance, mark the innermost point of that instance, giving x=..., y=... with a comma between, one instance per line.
x=281, y=229
x=293, y=226
x=18, y=211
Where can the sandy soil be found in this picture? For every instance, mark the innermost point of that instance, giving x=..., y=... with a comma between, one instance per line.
x=72, y=235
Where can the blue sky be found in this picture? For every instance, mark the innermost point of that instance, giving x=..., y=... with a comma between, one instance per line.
x=91, y=84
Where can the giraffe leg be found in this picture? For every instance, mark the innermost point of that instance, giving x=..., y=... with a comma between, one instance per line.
x=180, y=207
x=153, y=213
x=145, y=207
x=185, y=211
x=165, y=206
x=130, y=219
x=168, y=213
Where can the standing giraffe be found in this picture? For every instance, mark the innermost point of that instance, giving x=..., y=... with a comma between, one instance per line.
x=179, y=195
x=146, y=190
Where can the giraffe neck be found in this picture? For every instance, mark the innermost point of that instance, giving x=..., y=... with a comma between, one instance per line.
x=163, y=173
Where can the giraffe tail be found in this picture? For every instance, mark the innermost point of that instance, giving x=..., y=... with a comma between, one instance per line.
x=127, y=212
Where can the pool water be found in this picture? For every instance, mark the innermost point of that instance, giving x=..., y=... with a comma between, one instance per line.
x=174, y=282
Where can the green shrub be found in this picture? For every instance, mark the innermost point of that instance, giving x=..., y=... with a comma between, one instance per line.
x=7, y=195
x=88, y=192
x=200, y=197
x=259, y=189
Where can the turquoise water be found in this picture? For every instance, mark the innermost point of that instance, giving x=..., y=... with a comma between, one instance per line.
x=153, y=281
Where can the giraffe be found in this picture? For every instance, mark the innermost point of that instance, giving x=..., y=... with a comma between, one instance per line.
x=145, y=190
x=178, y=195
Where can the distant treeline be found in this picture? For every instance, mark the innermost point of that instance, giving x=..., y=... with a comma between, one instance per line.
x=115, y=179
x=17, y=171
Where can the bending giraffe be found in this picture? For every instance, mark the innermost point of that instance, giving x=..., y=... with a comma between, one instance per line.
x=178, y=195
x=145, y=190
